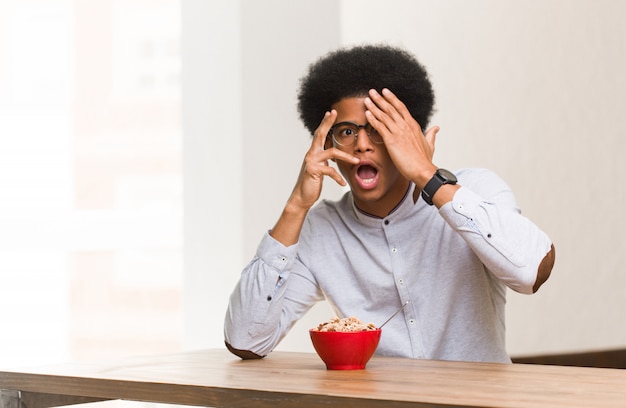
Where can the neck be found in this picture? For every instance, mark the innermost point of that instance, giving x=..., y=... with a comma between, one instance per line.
x=386, y=204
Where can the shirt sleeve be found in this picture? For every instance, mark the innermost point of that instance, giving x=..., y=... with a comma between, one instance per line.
x=486, y=215
x=274, y=291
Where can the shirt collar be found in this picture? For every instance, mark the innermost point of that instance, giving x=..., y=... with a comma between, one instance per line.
x=404, y=207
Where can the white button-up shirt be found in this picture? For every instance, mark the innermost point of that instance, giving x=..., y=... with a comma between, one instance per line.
x=452, y=265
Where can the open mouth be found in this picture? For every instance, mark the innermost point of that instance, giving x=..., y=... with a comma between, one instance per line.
x=367, y=176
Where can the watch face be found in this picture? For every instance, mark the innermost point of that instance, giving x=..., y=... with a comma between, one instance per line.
x=448, y=175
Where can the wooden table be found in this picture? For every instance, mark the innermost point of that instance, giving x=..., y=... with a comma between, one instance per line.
x=216, y=378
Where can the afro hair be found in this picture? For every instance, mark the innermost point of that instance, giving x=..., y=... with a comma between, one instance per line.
x=352, y=72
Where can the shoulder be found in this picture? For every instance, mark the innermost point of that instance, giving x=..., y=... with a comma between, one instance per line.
x=327, y=214
x=326, y=209
x=479, y=179
x=325, y=225
x=478, y=175
x=486, y=184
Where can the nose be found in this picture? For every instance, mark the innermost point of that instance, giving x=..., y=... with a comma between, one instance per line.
x=363, y=142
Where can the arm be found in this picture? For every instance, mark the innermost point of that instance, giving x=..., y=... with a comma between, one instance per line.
x=275, y=289
x=511, y=246
x=273, y=292
x=309, y=184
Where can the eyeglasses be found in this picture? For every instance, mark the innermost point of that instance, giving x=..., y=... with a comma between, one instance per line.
x=346, y=133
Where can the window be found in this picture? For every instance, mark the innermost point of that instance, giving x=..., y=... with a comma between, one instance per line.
x=90, y=179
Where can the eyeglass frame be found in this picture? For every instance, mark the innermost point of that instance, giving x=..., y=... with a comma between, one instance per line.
x=331, y=133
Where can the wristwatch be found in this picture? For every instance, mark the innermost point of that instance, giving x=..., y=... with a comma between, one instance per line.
x=441, y=177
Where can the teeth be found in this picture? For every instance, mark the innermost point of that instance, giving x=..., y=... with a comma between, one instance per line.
x=368, y=181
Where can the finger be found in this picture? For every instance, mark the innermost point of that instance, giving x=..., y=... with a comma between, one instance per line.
x=388, y=120
x=390, y=113
x=379, y=107
x=388, y=103
x=319, y=170
x=319, y=137
x=381, y=121
x=333, y=174
x=337, y=154
x=376, y=123
x=396, y=103
x=431, y=136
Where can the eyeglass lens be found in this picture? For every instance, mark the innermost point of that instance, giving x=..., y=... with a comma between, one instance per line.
x=346, y=133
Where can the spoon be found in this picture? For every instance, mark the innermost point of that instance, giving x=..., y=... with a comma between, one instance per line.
x=394, y=315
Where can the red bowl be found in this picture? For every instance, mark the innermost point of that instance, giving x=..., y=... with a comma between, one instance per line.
x=345, y=350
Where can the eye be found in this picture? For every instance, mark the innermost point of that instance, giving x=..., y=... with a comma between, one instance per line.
x=345, y=132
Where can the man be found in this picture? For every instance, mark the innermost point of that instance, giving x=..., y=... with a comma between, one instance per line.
x=407, y=231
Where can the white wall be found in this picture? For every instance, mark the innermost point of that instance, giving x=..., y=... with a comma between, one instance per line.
x=212, y=163
x=243, y=141
x=534, y=90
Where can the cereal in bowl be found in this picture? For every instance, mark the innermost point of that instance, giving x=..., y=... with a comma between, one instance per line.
x=347, y=324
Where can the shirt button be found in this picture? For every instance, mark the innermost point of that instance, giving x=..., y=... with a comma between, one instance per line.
x=394, y=250
x=386, y=222
x=411, y=321
x=401, y=281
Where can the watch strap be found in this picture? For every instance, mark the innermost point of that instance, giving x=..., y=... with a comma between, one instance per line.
x=435, y=183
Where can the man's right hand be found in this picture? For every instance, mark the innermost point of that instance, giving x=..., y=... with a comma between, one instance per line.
x=308, y=187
